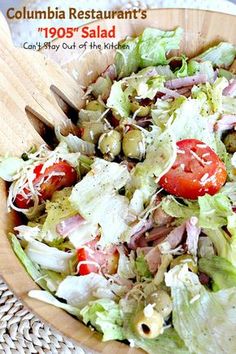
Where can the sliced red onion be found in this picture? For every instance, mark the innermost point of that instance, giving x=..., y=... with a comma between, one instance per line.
x=230, y=90
x=227, y=121
x=186, y=81
x=67, y=226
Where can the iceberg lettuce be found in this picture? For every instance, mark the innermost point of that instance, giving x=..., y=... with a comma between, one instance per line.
x=220, y=270
x=205, y=321
x=221, y=55
x=214, y=210
x=48, y=257
x=150, y=48
x=105, y=315
x=96, y=198
x=45, y=296
x=160, y=157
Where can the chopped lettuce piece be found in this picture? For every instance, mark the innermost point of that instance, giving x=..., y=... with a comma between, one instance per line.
x=214, y=210
x=226, y=73
x=126, y=269
x=165, y=70
x=48, y=257
x=119, y=99
x=101, y=87
x=188, y=115
x=154, y=44
x=182, y=71
x=212, y=94
x=75, y=144
x=205, y=321
x=194, y=67
x=58, y=209
x=50, y=299
x=127, y=59
x=222, y=272
x=141, y=267
x=224, y=245
x=150, y=48
x=79, y=290
x=9, y=167
x=146, y=83
x=221, y=55
x=228, y=105
x=160, y=157
x=32, y=268
x=96, y=198
x=167, y=343
x=174, y=208
x=105, y=315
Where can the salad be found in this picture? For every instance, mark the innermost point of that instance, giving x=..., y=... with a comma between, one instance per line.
x=130, y=224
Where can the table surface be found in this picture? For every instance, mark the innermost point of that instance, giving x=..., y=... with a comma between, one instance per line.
x=20, y=330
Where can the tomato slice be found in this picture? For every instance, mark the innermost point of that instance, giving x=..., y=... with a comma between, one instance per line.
x=197, y=170
x=61, y=174
x=96, y=259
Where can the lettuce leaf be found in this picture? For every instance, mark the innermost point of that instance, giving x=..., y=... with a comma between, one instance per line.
x=148, y=49
x=160, y=157
x=9, y=167
x=212, y=94
x=32, y=268
x=105, y=315
x=141, y=267
x=96, y=198
x=221, y=55
x=214, y=210
x=229, y=104
x=79, y=290
x=174, y=208
x=58, y=209
x=119, y=99
x=154, y=44
x=48, y=257
x=167, y=343
x=45, y=296
x=127, y=59
x=145, y=83
x=205, y=321
x=222, y=272
x=188, y=115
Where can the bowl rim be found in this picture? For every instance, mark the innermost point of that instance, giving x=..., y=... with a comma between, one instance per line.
x=54, y=317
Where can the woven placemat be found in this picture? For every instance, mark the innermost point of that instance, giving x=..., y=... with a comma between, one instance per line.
x=23, y=333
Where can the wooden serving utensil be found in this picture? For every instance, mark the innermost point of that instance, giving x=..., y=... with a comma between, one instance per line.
x=30, y=84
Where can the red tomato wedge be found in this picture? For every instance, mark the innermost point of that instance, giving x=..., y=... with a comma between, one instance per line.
x=94, y=259
x=197, y=170
x=47, y=183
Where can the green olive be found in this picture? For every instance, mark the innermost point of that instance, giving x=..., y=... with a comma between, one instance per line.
x=134, y=144
x=230, y=142
x=162, y=302
x=95, y=106
x=116, y=115
x=143, y=111
x=92, y=131
x=185, y=258
x=148, y=327
x=110, y=143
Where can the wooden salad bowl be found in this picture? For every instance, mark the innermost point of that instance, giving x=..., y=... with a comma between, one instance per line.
x=36, y=93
